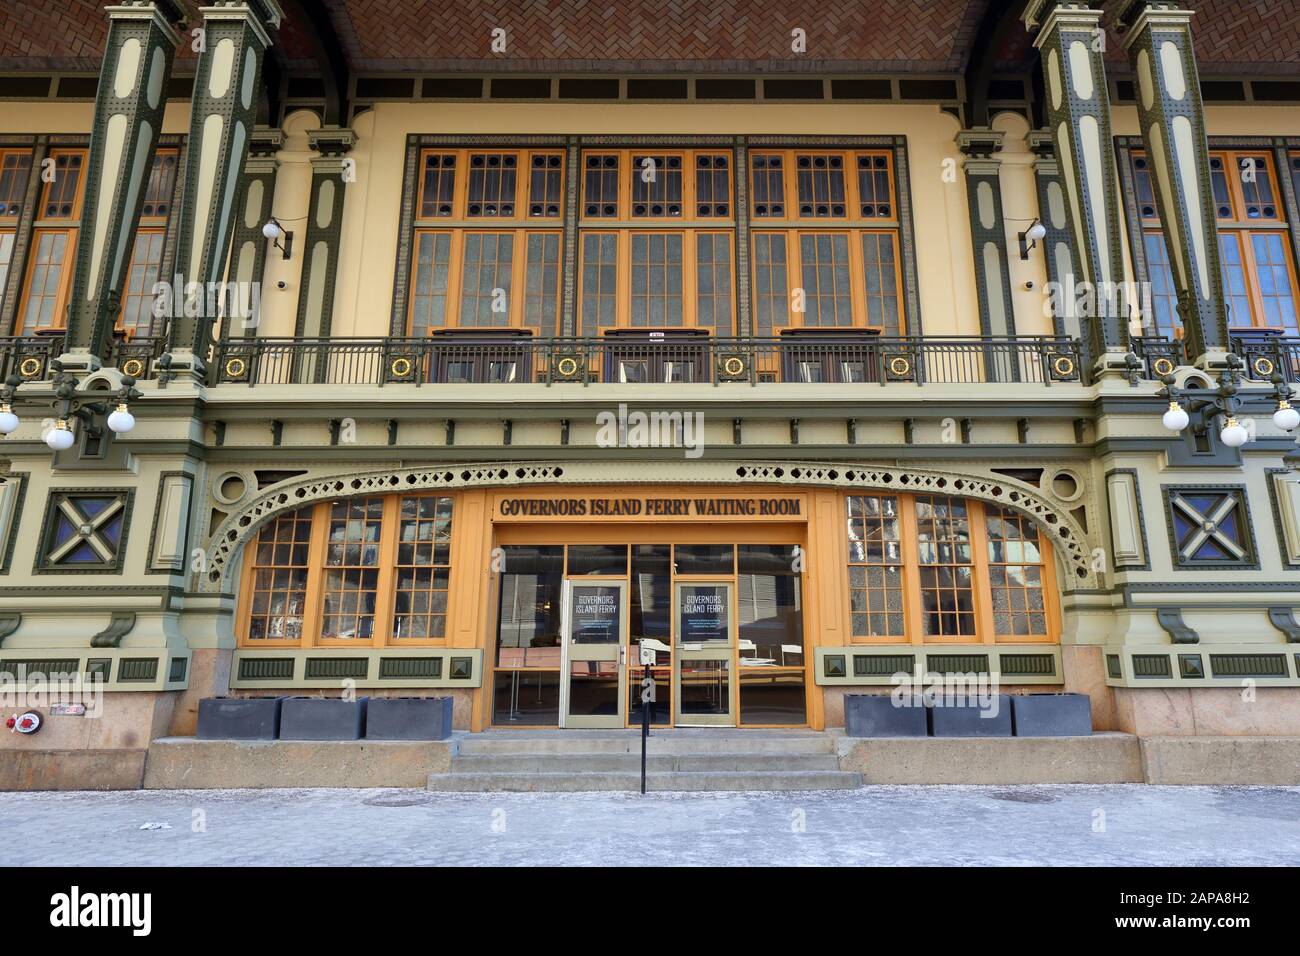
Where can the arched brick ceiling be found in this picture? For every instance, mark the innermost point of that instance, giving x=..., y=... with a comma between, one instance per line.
x=877, y=36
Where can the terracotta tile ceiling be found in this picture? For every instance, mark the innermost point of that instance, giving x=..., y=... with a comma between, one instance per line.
x=876, y=36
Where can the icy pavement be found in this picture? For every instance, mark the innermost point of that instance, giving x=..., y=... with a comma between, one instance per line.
x=1077, y=825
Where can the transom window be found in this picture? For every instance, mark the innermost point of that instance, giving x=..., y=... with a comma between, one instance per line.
x=1258, y=270
x=934, y=568
x=361, y=571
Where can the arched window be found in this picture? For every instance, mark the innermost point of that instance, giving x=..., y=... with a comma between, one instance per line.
x=933, y=568
x=358, y=571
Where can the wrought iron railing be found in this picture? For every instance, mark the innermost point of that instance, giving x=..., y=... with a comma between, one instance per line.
x=1159, y=356
x=667, y=358
x=137, y=356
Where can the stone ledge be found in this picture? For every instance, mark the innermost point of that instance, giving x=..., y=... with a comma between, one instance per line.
x=71, y=769
x=1222, y=761
x=185, y=763
x=1100, y=758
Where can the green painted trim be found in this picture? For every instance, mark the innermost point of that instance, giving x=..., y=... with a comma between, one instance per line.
x=361, y=667
x=999, y=663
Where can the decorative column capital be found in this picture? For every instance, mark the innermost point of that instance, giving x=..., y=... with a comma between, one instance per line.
x=332, y=141
x=1042, y=15
x=1132, y=15
x=980, y=143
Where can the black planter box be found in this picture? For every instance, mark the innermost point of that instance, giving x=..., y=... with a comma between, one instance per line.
x=322, y=718
x=239, y=718
x=408, y=718
x=968, y=720
x=877, y=715
x=1052, y=715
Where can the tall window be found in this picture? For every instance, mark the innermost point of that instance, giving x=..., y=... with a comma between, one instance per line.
x=1259, y=275
x=657, y=244
x=487, y=240
x=825, y=240
x=356, y=572
x=934, y=568
x=53, y=245
x=143, y=272
x=15, y=169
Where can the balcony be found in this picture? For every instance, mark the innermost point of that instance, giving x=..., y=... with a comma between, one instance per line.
x=645, y=358
x=628, y=357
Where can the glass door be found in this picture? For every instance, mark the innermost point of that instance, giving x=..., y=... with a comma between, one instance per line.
x=593, y=669
x=703, y=679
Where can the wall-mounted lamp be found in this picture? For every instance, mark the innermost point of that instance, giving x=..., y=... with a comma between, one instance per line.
x=275, y=232
x=1030, y=237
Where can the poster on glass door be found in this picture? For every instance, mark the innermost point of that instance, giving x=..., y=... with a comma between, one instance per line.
x=595, y=618
x=702, y=617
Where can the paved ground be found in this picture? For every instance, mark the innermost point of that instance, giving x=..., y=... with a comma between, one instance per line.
x=1119, y=825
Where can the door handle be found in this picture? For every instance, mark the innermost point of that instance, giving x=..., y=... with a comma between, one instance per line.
x=622, y=655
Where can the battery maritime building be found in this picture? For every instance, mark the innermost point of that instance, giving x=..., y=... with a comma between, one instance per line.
x=484, y=350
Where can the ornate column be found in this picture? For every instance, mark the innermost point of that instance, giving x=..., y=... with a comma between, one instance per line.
x=988, y=229
x=330, y=173
x=1158, y=38
x=221, y=125
x=1069, y=41
x=1060, y=258
x=129, y=108
x=248, y=247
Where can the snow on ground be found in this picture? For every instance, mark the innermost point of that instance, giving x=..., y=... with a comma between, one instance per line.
x=1074, y=825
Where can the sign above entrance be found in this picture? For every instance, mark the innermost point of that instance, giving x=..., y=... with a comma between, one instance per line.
x=652, y=507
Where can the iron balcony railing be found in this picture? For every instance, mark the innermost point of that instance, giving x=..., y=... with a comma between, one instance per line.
x=648, y=358
x=645, y=359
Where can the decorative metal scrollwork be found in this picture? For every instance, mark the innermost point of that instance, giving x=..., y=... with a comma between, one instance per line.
x=1064, y=368
x=568, y=366
x=1263, y=366
x=133, y=367
x=30, y=367
x=235, y=369
x=733, y=367
x=400, y=368
x=899, y=367
x=1163, y=366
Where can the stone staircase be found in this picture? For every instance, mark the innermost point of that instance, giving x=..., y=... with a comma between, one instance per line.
x=679, y=759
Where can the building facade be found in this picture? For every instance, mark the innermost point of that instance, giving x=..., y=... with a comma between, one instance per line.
x=483, y=351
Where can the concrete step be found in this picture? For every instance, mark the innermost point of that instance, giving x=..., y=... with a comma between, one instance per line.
x=631, y=762
x=661, y=742
x=659, y=781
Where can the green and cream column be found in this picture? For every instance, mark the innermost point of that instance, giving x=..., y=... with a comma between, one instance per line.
x=331, y=171
x=129, y=108
x=223, y=110
x=1071, y=45
x=1057, y=251
x=1158, y=38
x=988, y=233
x=248, y=247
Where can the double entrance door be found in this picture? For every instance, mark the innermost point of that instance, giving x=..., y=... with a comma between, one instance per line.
x=602, y=667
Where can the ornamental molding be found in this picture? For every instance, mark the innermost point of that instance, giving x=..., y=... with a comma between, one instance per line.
x=1067, y=535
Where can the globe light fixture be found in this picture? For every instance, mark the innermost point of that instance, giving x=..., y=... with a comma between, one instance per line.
x=8, y=420
x=60, y=437
x=120, y=420
x=1175, y=419
x=1031, y=237
x=1234, y=434
x=1285, y=418
x=275, y=232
